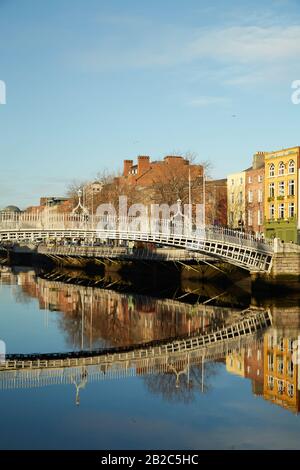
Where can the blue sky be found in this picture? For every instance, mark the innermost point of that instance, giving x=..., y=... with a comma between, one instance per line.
x=92, y=82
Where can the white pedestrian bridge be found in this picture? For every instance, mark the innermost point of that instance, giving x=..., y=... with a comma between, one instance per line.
x=235, y=247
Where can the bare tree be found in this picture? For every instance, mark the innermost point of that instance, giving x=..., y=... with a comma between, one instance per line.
x=73, y=187
x=106, y=177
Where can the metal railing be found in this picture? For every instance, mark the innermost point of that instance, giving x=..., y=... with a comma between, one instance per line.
x=98, y=226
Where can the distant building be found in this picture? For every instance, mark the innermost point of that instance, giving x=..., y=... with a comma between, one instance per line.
x=52, y=204
x=92, y=189
x=236, y=201
x=281, y=194
x=254, y=192
x=145, y=172
x=216, y=202
x=10, y=210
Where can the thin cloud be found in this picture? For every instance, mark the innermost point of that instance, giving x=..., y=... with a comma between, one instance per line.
x=252, y=49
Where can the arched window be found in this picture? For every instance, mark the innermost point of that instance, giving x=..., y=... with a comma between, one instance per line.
x=281, y=168
x=272, y=170
x=291, y=166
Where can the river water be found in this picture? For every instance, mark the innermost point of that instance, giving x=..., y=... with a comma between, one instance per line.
x=244, y=398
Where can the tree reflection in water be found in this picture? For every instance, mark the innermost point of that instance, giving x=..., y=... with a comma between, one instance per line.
x=182, y=385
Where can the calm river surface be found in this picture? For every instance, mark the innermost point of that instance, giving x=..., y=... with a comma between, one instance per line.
x=247, y=398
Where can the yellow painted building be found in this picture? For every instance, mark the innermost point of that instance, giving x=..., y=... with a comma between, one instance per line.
x=281, y=194
x=280, y=371
x=235, y=363
x=236, y=200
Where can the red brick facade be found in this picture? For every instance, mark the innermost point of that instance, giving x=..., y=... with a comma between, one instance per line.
x=254, y=192
x=145, y=172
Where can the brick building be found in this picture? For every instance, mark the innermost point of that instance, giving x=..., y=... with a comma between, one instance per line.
x=254, y=366
x=53, y=205
x=254, y=194
x=145, y=172
x=174, y=172
x=216, y=202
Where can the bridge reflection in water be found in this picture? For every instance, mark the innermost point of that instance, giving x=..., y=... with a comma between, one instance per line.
x=261, y=352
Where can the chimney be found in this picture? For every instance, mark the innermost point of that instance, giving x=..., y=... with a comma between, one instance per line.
x=127, y=165
x=143, y=164
x=258, y=160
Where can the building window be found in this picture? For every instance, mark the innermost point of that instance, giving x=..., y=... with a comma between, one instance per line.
x=270, y=341
x=291, y=166
x=280, y=387
x=291, y=345
x=291, y=188
x=281, y=188
x=258, y=355
x=281, y=169
x=249, y=179
x=291, y=209
x=240, y=197
x=232, y=198
x=241, y=180
x=281, y=211
x=272, y=211
x=290, y=390
x=260, y=178
x=291, y=368
x=232, y=182
x=272, y=189
x=250, y=196
x=259, y=217
x=260, y=196
x=280, y=365
x=281, y=344
x=231, y=215
x=272, y=170
x=270, y=382
x=250, y=221
x=270, y=362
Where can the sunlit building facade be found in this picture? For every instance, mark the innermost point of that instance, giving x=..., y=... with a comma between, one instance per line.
x=236, y=200
x=281, y=194
x=280, y=371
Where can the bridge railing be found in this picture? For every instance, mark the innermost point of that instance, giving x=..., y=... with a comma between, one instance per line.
x=105, y=225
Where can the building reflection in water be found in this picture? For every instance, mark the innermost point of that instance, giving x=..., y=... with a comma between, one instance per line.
x=271, y=363
x=94, y=317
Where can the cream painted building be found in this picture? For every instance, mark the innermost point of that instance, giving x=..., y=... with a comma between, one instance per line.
x=236, y=200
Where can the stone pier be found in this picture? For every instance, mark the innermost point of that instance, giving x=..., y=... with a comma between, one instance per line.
x=285, y=265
